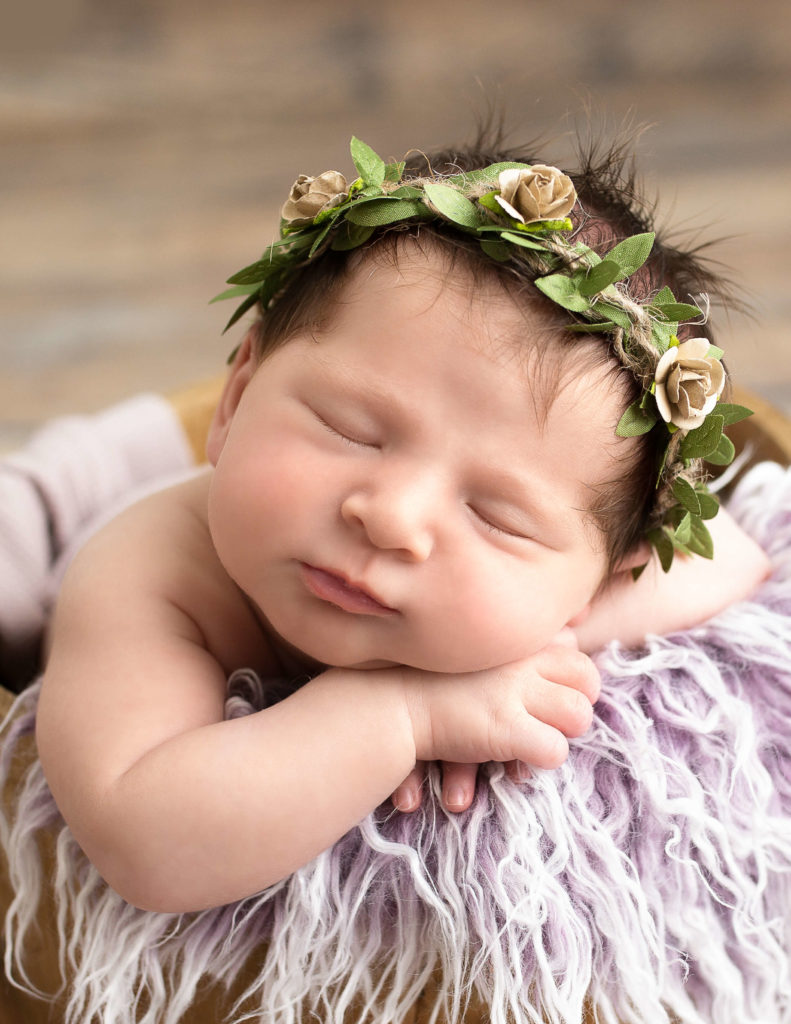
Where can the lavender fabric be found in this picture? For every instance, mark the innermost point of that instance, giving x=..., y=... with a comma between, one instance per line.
x=72, y=471
x=650, y=876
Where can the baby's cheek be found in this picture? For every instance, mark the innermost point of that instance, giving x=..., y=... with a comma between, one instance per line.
x=291, y=493
x=521, y=618
x=484, y=627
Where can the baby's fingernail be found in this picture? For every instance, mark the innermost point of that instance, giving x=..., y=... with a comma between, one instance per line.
x=404, y=799
x=455, y=797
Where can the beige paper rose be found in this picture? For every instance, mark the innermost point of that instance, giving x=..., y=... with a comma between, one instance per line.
x=542, y=193
x=688, y=383
x=311, y=196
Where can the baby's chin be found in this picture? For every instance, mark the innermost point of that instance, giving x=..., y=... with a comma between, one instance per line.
x=447, y=665
x=368, y=666
x=315, y=657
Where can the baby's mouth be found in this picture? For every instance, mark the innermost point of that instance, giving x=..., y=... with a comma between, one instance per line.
x=336, y=589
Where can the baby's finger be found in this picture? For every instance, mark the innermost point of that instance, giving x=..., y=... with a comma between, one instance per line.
x=518, y=771
x=565, y=638
x=538, y=744
x=562, y=708
x=571, y=668
x=408, y=795
x=458, y=785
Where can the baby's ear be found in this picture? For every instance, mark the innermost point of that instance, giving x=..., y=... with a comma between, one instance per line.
x=239, y=376
x=580, y=617
x=638, y=556
x=634, y=559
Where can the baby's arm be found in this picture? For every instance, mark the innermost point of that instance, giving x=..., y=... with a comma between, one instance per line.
x=180, y=810
x=694, y=590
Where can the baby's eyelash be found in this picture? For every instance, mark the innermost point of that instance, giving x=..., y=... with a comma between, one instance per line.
x=496, y=527
x=352, y=441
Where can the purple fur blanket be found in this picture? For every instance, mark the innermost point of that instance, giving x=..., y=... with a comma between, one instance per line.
x=650, y=876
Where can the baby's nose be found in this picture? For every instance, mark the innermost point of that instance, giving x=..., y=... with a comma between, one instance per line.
x=394, y=518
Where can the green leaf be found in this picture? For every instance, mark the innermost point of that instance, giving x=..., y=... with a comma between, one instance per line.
x=615, y=313
x=564, y=290
x=648, y=397
x=683, y=532
x=702, y=441
x=271, y=287
x=236, y=292
x=661, y=541
x=635, y=421
x=453, y=205
x=662, y=332
x=320, y=238
x=406, y=192
x=663, y=297
x=367, y=192
x=597, y=328
x=600, y=277
x=662, y=463
x=488, y=202
x=676, y=310
x=498, y=250
x=350, y=236
x=544, y=227
x=486, y=174
x=631, y=253
x=240, y=311
x=370, y=166
x=673, y=516
x=378, y=212
x=723, y=454
x=273, y=261
x=709, y=504
x=292, y=238
x=687, y=495
x=363, y=198
x=732, y=413
x=523, y=240
x=593, y=258
x=701, y=542
x=394, y=171
x=254, y=274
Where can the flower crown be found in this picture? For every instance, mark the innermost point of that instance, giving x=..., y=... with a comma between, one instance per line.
x=517, y=210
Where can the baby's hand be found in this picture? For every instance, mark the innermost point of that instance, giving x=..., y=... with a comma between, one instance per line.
x=519, y=714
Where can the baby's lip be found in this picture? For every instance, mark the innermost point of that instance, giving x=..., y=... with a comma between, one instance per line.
x=336, y=588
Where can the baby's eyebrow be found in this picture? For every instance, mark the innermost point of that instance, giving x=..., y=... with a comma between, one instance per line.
x=539, y=500
x=346, y=378
x=378, y=395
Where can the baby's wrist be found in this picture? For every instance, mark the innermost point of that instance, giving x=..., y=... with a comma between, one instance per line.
x=417, y=715
x=384, y=700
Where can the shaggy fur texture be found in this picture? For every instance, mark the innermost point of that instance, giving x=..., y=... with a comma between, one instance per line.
x=651, y=874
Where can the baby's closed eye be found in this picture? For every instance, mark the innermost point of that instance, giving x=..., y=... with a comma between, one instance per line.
x=347, y=433
x=499, y=523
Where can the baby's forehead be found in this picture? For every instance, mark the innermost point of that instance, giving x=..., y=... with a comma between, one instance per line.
x=514, y=324
x=505, y=311
x=558, y=371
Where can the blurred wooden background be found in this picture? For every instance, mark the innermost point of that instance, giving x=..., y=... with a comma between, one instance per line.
x=146, y=146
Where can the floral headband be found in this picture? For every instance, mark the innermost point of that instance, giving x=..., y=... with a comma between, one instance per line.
x=518, y=210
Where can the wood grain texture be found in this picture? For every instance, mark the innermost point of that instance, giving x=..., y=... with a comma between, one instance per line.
x=145, y=149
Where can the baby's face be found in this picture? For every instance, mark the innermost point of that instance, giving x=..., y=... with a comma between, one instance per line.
x=394, y=490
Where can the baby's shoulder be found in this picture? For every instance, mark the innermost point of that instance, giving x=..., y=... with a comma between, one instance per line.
x=164, y=529
x=160, y=550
